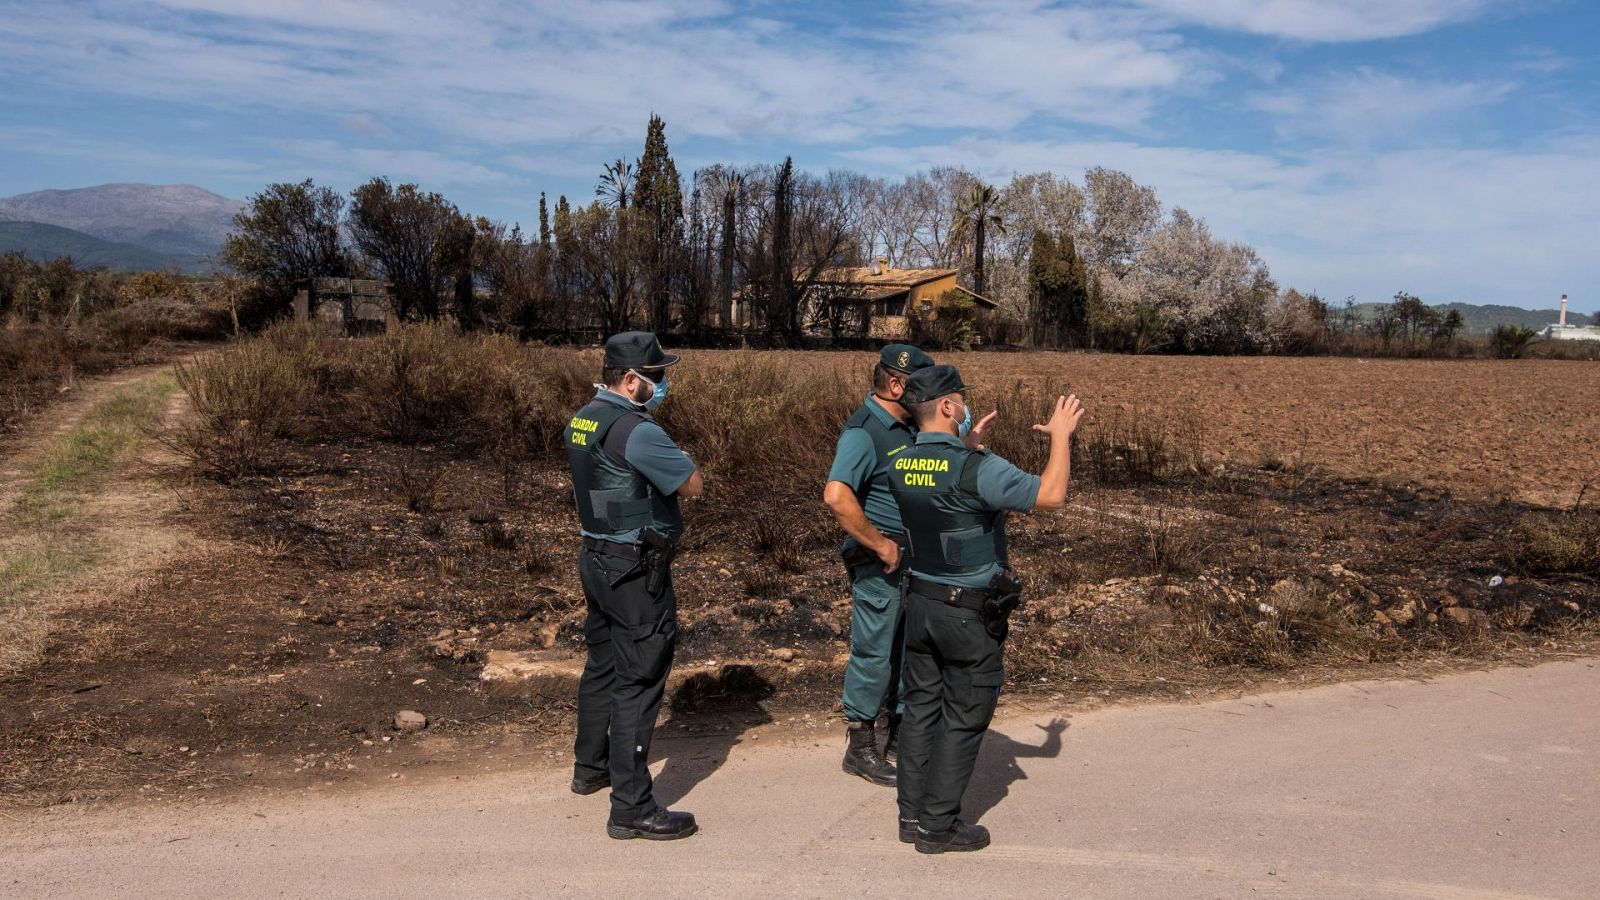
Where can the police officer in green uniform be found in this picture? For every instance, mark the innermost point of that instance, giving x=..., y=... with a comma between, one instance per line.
x=627, y=479
x=959, y=593
x=858, y=494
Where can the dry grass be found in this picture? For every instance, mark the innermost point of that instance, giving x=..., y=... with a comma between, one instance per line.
x=48, y=548
x=1222, y=550
x=1553, y=544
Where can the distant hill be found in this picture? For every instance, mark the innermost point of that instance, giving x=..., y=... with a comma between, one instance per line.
x=178, y=219
x=1482, y=318
x=41, y=241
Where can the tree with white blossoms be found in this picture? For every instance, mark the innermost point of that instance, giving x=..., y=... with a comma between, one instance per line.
x=1213, y=294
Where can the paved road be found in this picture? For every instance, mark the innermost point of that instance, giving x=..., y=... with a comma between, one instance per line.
x=1476, y=785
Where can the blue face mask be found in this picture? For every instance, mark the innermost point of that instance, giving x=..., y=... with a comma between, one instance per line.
x=658, y=392
x=966, y=421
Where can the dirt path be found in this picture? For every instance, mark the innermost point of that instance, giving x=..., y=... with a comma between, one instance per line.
x=119, y=528
x=1478, y=785
x=22, y=450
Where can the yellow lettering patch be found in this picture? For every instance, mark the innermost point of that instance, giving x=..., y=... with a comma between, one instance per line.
x=922, y=465
x=580, y=439
x=578, y=424
x=918, y=479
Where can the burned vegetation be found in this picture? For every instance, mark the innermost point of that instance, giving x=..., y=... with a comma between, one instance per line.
x=386, y=523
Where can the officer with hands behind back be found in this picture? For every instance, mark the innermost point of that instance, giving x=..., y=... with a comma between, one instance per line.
x=959, y=595
x=627, y=479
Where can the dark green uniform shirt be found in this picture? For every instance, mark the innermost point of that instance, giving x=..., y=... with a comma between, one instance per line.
x=855, y=464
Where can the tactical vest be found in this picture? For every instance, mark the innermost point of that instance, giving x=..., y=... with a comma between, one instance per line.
x=936, y=487
x=612, y=497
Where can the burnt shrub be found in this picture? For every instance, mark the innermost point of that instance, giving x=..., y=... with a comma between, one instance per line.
x=1554, y=544
x=244, y=400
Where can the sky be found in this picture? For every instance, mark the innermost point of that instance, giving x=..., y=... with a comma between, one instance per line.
x=1446, y=148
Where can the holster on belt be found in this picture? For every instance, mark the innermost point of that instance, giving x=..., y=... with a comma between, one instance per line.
x=656, y=551
x=856, y=555
x=1005, y=596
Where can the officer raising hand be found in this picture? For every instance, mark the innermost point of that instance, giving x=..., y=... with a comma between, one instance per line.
x=959, y=594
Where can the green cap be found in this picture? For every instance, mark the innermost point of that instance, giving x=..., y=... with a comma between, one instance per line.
x=904, y=358
x=636, y=350
x=931, y=383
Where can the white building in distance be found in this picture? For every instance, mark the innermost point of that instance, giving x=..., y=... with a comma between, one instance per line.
x=1561, y=331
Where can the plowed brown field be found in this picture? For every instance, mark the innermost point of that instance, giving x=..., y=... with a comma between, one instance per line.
x=1524, y=429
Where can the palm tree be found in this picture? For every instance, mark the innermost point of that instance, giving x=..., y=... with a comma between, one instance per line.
x=616, y=182
x=976, y=215
x=732, y=187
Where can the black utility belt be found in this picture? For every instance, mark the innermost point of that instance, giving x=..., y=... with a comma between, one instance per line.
x=618, y=549
x=964, y=597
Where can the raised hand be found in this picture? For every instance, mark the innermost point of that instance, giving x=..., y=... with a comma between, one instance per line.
x=974, y=438
x=1063, y=418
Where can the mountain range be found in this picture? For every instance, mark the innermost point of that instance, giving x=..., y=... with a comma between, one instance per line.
x=1482, y=318
x=123, y=226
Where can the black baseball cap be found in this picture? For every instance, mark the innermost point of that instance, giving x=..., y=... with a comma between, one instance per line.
x=931, y=383
x=636, y=350
x=904, y=358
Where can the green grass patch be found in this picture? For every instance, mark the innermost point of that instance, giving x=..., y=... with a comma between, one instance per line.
x=49, y=549
x=105, y=437
x=33, y=562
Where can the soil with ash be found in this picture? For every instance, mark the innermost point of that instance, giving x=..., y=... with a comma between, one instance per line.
x=361, y=579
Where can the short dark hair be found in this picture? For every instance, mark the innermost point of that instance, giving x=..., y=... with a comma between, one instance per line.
x=881, y=375
x=924, y=411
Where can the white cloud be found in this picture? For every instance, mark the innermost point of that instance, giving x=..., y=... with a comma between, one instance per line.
x=1368, y=106
x=511, y=73
x=432, y=170
x=1323, y=20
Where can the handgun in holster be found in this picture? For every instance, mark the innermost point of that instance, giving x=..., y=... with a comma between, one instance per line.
x=657, y=551
x=856, y=555
x=1004, y=598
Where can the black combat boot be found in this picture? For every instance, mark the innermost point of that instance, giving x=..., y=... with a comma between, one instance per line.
x=660, y=825
x=891, y=746
x=861, y=755
x=959, y=839
x=586, y=786
x=908, y=831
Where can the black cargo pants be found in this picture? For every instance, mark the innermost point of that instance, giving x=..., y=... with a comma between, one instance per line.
x=951, y=680
x=630, y=637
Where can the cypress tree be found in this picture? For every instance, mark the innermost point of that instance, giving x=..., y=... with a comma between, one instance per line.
x=658, y=194
x=544, y=222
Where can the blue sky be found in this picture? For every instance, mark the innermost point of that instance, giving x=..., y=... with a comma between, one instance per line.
x=1449, y=148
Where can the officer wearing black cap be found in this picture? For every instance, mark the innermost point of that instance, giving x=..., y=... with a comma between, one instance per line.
x=858, y=495
x=627, y=479
x=959, y=593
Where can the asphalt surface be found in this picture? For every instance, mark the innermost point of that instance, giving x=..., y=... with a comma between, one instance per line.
x=1479, y=785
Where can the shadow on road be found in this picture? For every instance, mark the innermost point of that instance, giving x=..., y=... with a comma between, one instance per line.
x=710, y=714
x=998, y=769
